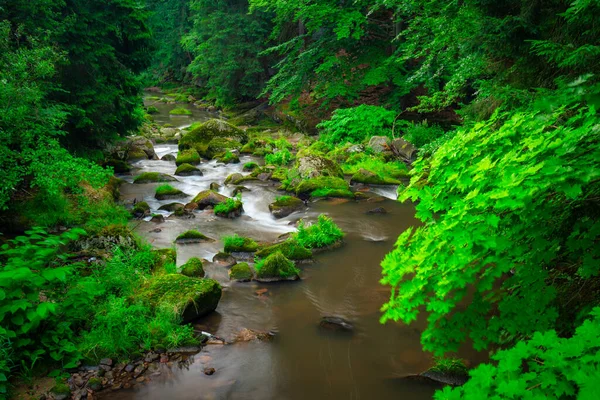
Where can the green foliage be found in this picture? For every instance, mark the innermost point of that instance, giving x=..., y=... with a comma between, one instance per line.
x=321, y=234
x=291, y=249
x=180, y=111
x=422, y=134
x=546, y=366
x=449, y=365
x=390, y=170
x=280, y=157
x=276, y=266
x=357, y=124
x=250, y=166
x=238, y=243
x=228, y=206
x=509, y=201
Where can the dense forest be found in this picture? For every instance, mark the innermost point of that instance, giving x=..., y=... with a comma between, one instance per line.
x=483, y=113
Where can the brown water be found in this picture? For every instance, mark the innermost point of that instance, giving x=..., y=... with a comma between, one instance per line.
x=302, y=362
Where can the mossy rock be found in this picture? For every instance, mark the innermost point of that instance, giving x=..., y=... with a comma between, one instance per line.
x=193, y=268
x=201, y=135
x=228, y=158
x=240, y=244
x=153, y=177
x=95, y=384
x=193, y=236
x=187, y=170
x=165, y=192
x=172, y=207
x=180, y=111
x=231, y=208
x=136, y=154
x=221, y=145
x=141, y=209
x=307, y=187
x=119, y=166
x=241, y=272
x=248, y=148
x=250, y=166
x=208, y=198
x=335, y=193
x=368, y=177
x=290, y=248
x=168, y=157
x=61, y=391
x=279, y=174
x=152, y=110
x=163, y=257
x=190, y=156
x=214, y=186
x=261, y=152
x=285, y=205
x=189, y=298
x=311, y=165
x=276, y=267
x=238, y=190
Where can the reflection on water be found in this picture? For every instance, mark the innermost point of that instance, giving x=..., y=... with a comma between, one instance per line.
x=302, y=362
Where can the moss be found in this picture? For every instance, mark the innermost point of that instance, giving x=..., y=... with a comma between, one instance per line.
x=61, y=389
x=229, y=208
x=239, y=243
x=450, y=365
x=285, y=201
x=280, y=174
x=228, y=158
x=322, y=182
x=192, y=235
x=188, y=298
x=137, y=154
x=180, y=111
x=368, y=177
x=328, y=192
x=240, y=272
x=153, y=177
x=119, y=166
x=164, y=192
x=221, y=145
x=262, y=152
x=152, y=110
x=190, y=156
x=248, y=148
x=208, y=198
x=250, y=166
x=193, y=268
x=209, y=130
x=187, y=170
x=290, y=248
x=276, y=266
x=141, y=208
x=163, y=258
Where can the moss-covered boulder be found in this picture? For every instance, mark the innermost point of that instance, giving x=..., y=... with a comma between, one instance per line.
x=276, y=267
x=237, y=243
x=200, y=137
x=368, y=177
x=132, y=149
x=241, y=272
x=189, y=156
x=323, y=184
x=237, y=178
x=250, y=166
x=187, y=170
x=231, y=208
x=248, y=148
x=192, y=236
x=172, y=207
x=168, y=157
x=180, y=111
x=162, y=258
x=221, y=145
x=285, y=205
x=165, y=192
x=141, y=209
x=193, y=268
x=214, y=186
x=313, y=165
x=228, y=158
x=189, y=298
x=153, y=177
x=208, y=198
x=290, y=248
x=119, y=166
x=239, y=190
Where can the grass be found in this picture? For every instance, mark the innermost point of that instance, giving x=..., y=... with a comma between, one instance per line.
x=239, y=243
x=180, y=111
x=224, y=208
x=189, y=156
x=449, y=365
x=392, y=170
x=276, y=266
x=321, y=234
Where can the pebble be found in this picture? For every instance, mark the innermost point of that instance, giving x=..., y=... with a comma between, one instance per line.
x=209, y=371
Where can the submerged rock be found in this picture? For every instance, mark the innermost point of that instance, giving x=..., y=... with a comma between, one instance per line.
x=249, y=335
x=158, y=218
x=333, y=323
x=377, y=210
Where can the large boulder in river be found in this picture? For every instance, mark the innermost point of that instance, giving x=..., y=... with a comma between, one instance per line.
x=133, y=149
x=200, y=137
x=187, y=170
x=313, y=166
x=208, y=198
x=188, y=298
x=153, y=177
x=380, y=144
x=369, y=177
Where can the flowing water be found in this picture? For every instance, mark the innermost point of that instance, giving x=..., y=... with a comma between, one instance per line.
x=302, y=362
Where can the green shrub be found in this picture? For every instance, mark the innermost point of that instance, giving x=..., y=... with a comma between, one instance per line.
x=238, y=243
x=421, y=134
x=322, y=234
x=357, y=124
x=391, y=170
x=281, y=157
x=180, y=111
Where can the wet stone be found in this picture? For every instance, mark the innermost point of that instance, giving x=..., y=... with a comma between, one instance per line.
x=336, y=324
x=377, y=210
